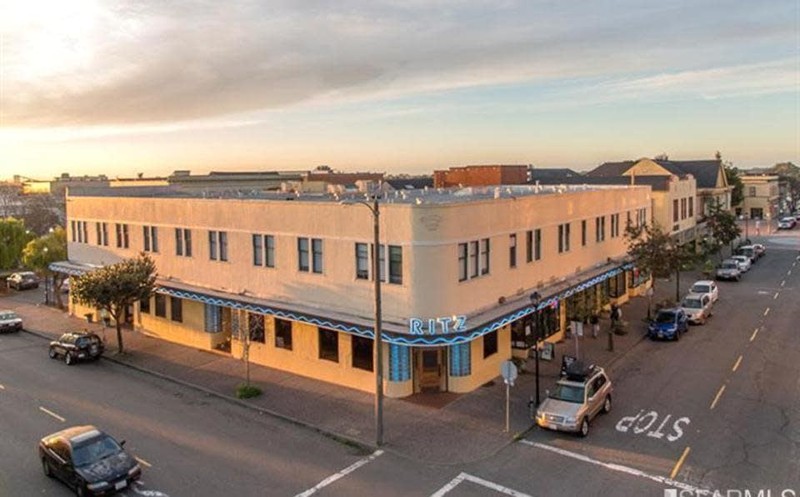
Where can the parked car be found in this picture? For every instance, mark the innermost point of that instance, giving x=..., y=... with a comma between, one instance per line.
x=760, y=250
x=749, y=251
x=786, y=223
x=88, y=460
x=697, y=307
x=706, y=287
x=74, y=346
x=10, y=321
x=744, y=262
x=578, y=397
x=729, y=270
x=23, y=280
x=669, y=324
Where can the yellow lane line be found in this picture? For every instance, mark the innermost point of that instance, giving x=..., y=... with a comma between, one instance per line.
x=51, y=413
x=736, y=366
x=766, y=311
x=679, y=463
x=716, y=399
x=143, y=462
x=753, y=336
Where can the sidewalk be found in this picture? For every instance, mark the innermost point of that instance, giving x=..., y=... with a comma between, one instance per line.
x=445, y=429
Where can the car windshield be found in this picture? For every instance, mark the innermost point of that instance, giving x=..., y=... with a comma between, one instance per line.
x=665, y=317
x=692, y=303
x=568, y=393
x=701, y=289
x=86, y=341
x=7, y=315
x=94, y=450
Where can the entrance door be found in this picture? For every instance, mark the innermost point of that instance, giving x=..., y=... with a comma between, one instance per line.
x=429, y=369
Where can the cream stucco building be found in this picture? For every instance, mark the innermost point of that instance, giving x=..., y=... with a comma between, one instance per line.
x=291, y=274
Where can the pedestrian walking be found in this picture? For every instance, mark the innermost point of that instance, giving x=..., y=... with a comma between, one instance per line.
x=594, y=320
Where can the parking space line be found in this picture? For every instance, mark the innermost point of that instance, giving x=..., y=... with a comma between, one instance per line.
x=51, y=413
x=341, y=474
x=680, y=462
x=622, y=469
x=143, y=462
x=753, y=336
x=480, y=481
x=716, y=399
x=736, y=366
x=766, y=311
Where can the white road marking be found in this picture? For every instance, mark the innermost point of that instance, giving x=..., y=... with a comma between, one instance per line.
x=480, y=481
x=143, y=462
x=341, y=474
x=47, y=411
x=716, y=399
x=622, y=469
x=2, y=387
x=776, y=295
x=766, y=311
x=147, y=493
x=736, y=366
x=790, y=271
x=783, y=283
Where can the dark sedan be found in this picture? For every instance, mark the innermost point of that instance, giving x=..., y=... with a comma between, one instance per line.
x=74, y=346
x=23, y=281
x=89, y=461
x=669, y=324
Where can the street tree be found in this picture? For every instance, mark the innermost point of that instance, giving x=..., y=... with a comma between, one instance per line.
x=13, y=238
x=734, y=180
x=723, y=228
x=658, y=253
x=41, y=252
x=115, y=287
x=40, y=213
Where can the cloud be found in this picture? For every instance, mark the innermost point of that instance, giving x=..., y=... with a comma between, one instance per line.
x=95, y=63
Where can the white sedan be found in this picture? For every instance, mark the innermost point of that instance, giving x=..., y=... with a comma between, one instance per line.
x=743, y=261
x=706, y=287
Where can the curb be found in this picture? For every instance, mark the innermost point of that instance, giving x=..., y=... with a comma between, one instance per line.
x=233, y=400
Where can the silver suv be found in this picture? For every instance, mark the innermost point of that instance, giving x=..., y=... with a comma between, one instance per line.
x=579, y=396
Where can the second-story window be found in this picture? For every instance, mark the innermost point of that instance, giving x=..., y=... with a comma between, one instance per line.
x=690, y=200
x=264, y=250
x=316, y=255
x=309, y=255
x=122, y=235
x=675, y=212
x=485, y=256
x=600, y=228
x=614, y=225
x=563, y=238
x=362, y=261
x=218, y=245
x=183, y=242
x=102, y=234
x=302, y=254
x=395, y=264
x=462, y=262
x=150, y=238
x=512, y=250
x=473, y=259
x=583, y=233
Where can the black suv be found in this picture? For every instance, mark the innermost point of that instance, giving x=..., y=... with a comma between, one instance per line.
x=75, y=346
x=88, y=461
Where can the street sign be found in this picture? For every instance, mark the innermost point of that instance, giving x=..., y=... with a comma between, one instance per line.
x=509, y=372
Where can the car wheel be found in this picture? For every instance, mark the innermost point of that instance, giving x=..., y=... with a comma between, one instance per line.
x=584, y=427
x=607, y=405
x=52, y=353
x=68, y=360
x=80, y=489
x=677, y=335
x=46, y=468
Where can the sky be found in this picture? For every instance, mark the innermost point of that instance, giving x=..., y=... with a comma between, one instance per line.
x=152, y=86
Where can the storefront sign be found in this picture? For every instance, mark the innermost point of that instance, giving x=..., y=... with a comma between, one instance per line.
x=436, y=326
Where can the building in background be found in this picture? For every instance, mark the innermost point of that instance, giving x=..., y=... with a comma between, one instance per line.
x=291, y=273
x=463, y=176
x=761, y=197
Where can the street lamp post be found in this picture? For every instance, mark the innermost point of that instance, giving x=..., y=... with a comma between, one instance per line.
x=376, y=276
x=535, y=297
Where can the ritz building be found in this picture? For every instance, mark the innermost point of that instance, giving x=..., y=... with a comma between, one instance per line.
x=471, y=276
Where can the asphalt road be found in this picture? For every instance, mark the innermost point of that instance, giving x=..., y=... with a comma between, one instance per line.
x=718, y=410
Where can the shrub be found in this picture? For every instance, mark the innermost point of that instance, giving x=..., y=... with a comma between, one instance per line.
x=244, y=391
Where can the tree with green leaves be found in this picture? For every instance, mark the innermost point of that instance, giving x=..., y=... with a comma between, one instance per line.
x=13, y=238
x=732, y=175
x=116, y=287
x=41, y=252
x=658, y=253
x=723, y=227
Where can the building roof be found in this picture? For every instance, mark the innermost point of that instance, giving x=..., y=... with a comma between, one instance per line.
x=416, y=183
x=705, y=172
x=607, y=169
x=658, y=183
x=551, y=172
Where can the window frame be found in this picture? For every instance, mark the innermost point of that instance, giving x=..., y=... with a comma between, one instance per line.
x=330, y=338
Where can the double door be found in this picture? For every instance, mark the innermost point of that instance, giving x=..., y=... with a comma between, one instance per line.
x=429, y=370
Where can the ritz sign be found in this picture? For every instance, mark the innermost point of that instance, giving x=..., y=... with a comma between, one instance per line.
x=437, y=326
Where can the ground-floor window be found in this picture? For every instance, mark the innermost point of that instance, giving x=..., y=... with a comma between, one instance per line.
x=362, y=353
x=329, y=345
x=460, y=363
x=399, y=362
x=176, y=309
x=213, y=318
x=161, y=305
x=489, y=344
x=255, y=326
x=522, y=332
x=616, y=285
x=283, y=334
x=638, y=277
x=144, y=306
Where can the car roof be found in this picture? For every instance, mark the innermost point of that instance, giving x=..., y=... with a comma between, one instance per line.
x=26, y=273
x=670, y=309
x=703, y=282
x=75, y=433
x=692, y=295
